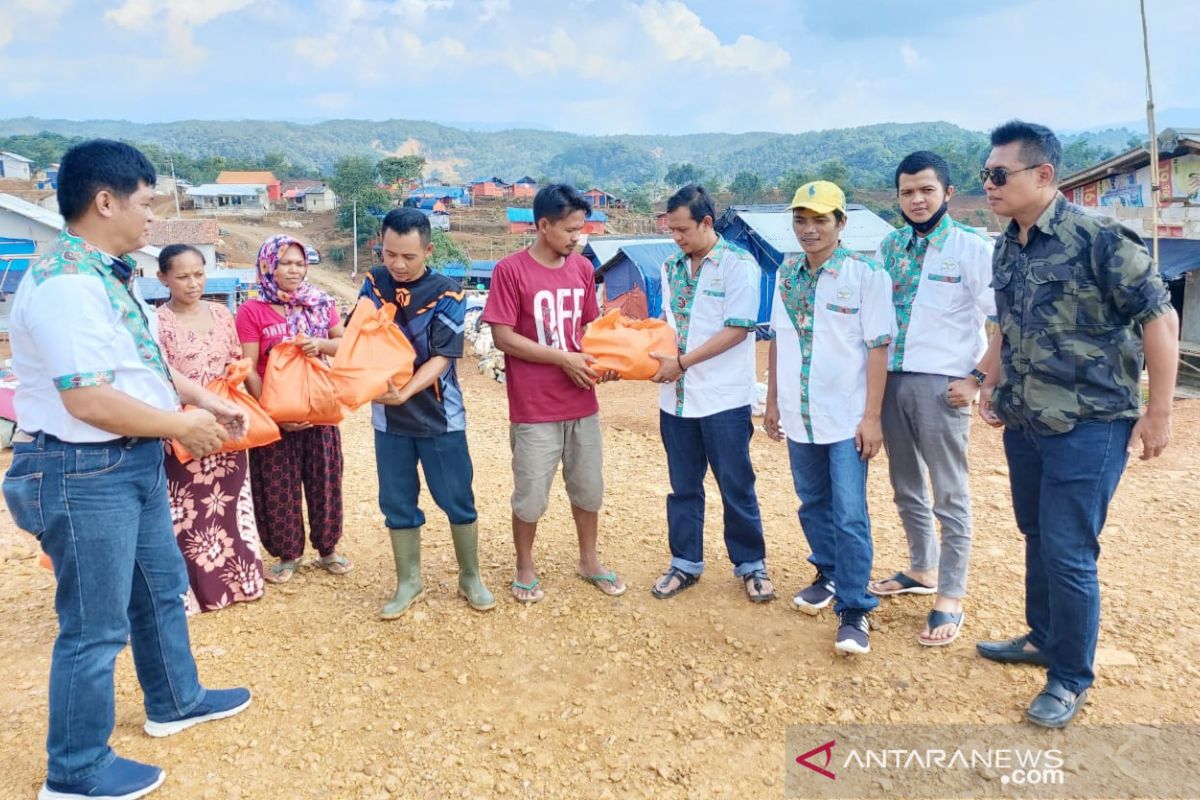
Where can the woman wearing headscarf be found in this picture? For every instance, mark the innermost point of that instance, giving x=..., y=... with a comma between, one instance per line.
x=308, y=456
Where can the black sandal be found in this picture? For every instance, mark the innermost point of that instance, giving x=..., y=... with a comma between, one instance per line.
x=686, y=581
x=758, y=576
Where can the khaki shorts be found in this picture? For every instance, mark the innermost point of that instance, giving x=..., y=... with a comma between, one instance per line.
x=537, y=450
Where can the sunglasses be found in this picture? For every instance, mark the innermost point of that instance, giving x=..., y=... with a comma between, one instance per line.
x=999, y=175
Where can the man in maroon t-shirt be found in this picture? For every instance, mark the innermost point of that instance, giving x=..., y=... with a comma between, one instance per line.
x=541, y=300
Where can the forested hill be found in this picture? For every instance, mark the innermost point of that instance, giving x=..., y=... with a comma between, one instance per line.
x=864, y=156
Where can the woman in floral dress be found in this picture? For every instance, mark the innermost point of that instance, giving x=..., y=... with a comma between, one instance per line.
x=210, y=497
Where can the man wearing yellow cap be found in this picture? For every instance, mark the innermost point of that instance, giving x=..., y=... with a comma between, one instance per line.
x=833, y=320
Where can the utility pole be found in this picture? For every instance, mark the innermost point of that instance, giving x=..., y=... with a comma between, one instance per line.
x=174, y=185
x=354, y=274
x=1155, y=184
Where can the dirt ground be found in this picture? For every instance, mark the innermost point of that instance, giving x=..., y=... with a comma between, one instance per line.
x=583, y=696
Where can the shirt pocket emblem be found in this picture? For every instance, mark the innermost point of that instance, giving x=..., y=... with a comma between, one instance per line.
x=844, y=294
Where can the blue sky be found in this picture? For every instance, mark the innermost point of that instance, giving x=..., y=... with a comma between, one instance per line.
x=598, y=66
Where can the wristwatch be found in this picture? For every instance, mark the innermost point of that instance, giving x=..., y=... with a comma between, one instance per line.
x=979, y=376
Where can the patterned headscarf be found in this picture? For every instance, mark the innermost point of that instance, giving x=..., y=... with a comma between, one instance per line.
x=307, y=309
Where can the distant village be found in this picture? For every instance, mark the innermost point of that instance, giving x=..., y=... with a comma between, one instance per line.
x=627, y=256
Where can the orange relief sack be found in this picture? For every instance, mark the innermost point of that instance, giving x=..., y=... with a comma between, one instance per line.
x=261, y=429
x=373, y=351
x=624, y=345
x=297, y=388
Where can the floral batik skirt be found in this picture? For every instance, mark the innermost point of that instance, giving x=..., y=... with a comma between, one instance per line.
x=213, y=513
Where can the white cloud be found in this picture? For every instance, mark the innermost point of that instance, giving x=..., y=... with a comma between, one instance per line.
x=911, y=58
x=680, y=35
x=178, y=18
x=35, y=18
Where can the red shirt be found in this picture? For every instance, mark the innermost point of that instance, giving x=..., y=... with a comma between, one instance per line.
x=259, y=323
x=551, y=307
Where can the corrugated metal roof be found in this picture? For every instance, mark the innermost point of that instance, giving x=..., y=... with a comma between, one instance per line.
x=47, y=217
x=235, y=177
x=15, y=156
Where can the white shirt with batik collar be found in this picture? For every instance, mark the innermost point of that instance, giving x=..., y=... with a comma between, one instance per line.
x=723, y=294
x=823, y=329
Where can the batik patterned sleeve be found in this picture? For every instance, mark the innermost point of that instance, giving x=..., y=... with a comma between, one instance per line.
x=878, y=313
x=78, y=353
x=742, y=294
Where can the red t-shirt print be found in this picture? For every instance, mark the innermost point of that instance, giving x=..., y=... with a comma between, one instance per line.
x=551, y=307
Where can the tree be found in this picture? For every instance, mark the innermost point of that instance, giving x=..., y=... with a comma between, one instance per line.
x=747, y=186
x=792, y=180
x=683, y=174
x=835, y=171
x=446, y=251
x=373, y=204
x=405, y=168
x=640, y=201
x=352, y=175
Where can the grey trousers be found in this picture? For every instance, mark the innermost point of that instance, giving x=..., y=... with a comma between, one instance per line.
x=926, y=443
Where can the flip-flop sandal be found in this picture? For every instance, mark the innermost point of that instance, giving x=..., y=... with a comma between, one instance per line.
x=281, y=572
x=608, y=577
x=686, y=581
x=936, y=620
x=337, y=565
x=756, y=578
x=907, y=586
x=537, y=596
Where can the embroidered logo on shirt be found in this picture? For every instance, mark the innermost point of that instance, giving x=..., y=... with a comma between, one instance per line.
x=844, y=293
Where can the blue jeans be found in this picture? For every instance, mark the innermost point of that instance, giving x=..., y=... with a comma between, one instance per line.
x=721, y=441
x=101, y=514
x=1061, y=487
x=446, y=462
x=831, y=482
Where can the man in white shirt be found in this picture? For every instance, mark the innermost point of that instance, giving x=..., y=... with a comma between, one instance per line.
x=95, y=399
x=832, y=319
x=941, y=274
x=710, y=299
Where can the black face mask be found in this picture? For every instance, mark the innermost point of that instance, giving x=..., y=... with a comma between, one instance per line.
x=925, y=227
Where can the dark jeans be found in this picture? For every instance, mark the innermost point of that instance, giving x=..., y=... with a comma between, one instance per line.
x=1061, y=487
x=448, y=471
x=101, y=514
x=831, y=482
x=721, y=441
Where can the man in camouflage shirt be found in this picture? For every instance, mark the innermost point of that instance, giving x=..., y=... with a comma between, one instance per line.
x=1078, y=302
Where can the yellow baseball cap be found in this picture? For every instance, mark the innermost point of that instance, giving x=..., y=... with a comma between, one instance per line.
x=823, y=197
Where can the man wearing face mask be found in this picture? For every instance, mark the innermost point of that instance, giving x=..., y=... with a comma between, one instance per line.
x=941, y=275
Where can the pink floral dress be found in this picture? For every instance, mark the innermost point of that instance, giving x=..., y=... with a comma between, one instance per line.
x=210, y=497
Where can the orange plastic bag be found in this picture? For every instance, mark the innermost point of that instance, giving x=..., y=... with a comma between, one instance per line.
x=373, y=351
x=296, y=388
x=262, y=430
x=624, y=345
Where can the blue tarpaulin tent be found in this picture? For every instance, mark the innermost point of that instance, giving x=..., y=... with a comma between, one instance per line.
x=636, y=267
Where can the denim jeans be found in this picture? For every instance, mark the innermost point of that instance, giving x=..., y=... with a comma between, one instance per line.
x=446, y=462
x=831, y=482
x=101, y=514
x=693, y=444
x=1061, y=487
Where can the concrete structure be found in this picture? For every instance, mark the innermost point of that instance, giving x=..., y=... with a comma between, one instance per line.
x=230, y=198
x=15, y=166
x=268, y=179
x=602, y=199
x=524, y=187
x=490, y=187
x=201, y=234
x=319, y=198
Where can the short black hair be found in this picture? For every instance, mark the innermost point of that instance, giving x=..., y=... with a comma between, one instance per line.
x=923, y=160
x=406, y=220
x=98, y=165
x=557, y=200
x=697, y=200
x=171, y=251
x=1039, y=145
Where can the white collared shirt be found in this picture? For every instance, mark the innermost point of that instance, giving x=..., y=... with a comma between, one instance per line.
x=821, y=366
x=941, y=301
x=68, y=331
x=724, y=294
